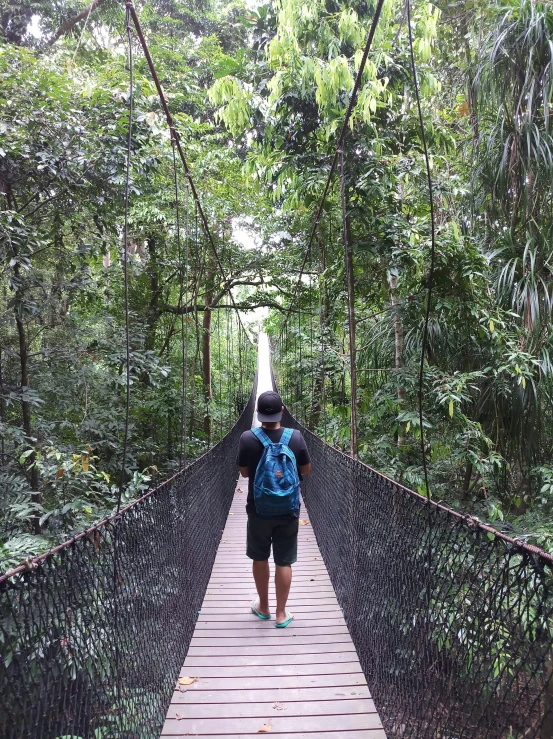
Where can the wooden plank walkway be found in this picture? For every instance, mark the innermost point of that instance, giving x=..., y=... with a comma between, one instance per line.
x=296, y=683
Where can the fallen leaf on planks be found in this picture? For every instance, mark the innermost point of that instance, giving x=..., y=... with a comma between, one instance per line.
x=303, y=522
x=187, y=680
x=265, y=729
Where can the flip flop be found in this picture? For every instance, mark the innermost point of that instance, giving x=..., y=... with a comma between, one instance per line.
x=284, y=624
x=259, y=615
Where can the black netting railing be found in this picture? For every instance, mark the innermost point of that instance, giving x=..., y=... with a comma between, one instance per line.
x=93, y=639
x=452, y=622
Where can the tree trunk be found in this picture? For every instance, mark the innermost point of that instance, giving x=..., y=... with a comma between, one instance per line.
x=471, y=96
x=319, y=391
x=206, y=347
x=153, y=307
x=398, y=348
x=26, y=410
x=466, y=480
x=25, y=404
x=192, y=398
x=547, y=724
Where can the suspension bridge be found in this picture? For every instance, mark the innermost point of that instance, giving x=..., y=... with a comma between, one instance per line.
x=411, y=620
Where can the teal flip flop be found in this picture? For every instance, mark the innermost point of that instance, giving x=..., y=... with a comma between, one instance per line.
x=259, y=615
x=284, y=624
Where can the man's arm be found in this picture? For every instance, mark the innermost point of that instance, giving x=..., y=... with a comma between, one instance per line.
x=242, y=457
x=302, y=457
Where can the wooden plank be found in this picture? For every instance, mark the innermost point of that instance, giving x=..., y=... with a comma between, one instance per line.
x=280, y=681
x=335, y=622
x=295, y=708
x=296, y=593
x=279, y=724
x=304, y=569
x=218, y=579
x=244, y=666
x=288, y=633
x=308, y=586
x=247, y=649
x=245, y=616
x=267, y=659
x=233, y=570
x=271, y=639
x=260, y=695
x=218, y=598
x=265, y=672
x=363, y=734
x=300, y=608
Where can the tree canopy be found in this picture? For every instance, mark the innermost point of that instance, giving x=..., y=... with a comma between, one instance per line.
x=258, y=93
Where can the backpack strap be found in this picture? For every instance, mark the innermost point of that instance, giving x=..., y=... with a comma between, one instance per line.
x=262, y=436
x=286, y=437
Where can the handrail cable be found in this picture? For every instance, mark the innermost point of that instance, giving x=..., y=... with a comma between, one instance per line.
x=339, y=143
x=118, y=691
x=185, y=335
x=125, y=266
x=181, y=296
x=351, y=310
x=176, y=136
x=430, y=283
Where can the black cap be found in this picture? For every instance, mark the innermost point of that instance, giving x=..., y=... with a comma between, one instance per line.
x=269, y=407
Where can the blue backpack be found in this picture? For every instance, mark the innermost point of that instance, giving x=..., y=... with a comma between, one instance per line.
x=276, y=487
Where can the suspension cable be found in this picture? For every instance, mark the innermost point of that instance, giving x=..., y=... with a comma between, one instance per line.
x=339, y=143
x=125, y=267
x=181, y=295
x=322, y=323
x=115, y=573
x=174, y=132
x=185, y=336
x=351, y=311
x=432, y=249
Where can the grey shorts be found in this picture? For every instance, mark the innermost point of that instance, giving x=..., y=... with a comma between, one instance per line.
x=281, y=532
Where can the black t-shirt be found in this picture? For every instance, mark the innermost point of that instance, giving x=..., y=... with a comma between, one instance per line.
x=250, y=451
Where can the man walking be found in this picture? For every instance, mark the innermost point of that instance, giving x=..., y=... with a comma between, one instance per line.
x=271, y=458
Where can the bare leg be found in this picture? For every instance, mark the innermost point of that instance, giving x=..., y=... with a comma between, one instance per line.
x=261, y=577
x=283, y=581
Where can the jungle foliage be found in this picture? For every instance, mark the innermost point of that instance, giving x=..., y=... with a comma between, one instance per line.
x=485, y=73
x=258, y=94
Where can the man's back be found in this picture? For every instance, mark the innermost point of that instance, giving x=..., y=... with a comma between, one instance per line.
x=250, y=451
